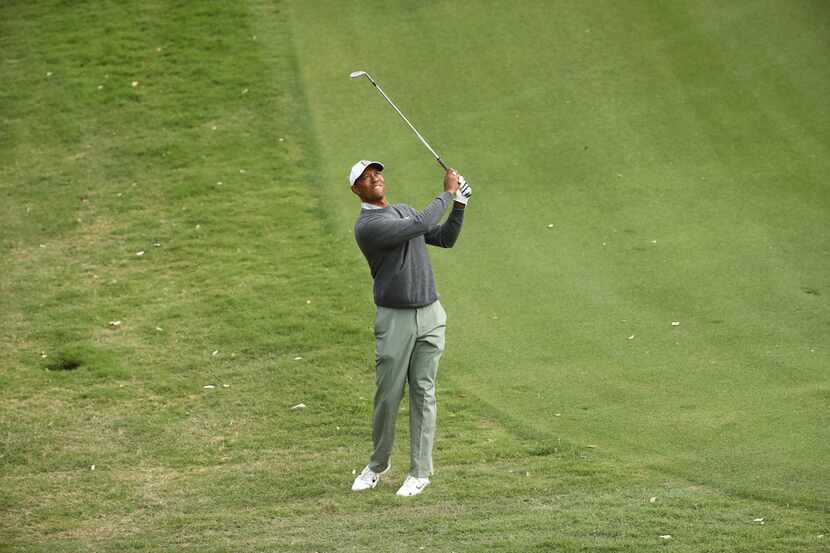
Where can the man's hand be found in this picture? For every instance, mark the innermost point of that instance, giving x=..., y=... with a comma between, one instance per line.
x=462, y=195
x=451, y=181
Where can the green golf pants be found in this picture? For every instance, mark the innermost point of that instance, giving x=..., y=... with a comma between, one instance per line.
x=408, y=345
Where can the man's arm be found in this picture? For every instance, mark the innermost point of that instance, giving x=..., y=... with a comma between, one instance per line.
x=380, y=232
x=444, y=236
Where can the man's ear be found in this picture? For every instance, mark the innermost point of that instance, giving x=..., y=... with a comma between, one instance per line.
x=354, y=189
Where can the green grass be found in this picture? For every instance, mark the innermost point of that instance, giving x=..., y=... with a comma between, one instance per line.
x=701, y=127
x=680, y=150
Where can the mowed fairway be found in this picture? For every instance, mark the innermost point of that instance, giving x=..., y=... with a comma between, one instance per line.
x=676, y=313
x=178, y=275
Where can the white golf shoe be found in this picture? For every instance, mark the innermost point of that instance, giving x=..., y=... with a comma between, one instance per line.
x=368, y=479
x=412, y=486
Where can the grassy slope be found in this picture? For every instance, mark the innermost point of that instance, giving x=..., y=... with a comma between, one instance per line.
x=680, y=152
x=94, y=170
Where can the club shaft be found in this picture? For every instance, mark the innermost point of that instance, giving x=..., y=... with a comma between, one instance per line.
x=411, y=126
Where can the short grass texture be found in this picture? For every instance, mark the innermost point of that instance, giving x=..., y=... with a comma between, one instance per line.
x=178, y=275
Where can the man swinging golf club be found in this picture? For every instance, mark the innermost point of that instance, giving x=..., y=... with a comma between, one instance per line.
x=410, y=321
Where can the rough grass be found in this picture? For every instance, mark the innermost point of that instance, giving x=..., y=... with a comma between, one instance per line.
x=111, y=439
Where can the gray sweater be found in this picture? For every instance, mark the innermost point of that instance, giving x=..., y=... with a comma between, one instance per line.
x=394, y=239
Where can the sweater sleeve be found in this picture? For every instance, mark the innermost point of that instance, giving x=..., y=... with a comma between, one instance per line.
x=445, y=235
x=385, y=232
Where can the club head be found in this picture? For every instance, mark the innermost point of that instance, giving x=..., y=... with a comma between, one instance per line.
x=356, y=74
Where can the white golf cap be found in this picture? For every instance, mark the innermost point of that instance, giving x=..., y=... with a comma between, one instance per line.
x=359, y=167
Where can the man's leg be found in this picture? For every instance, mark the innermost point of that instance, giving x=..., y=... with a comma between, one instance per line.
x=395, y=332
x=423, y=370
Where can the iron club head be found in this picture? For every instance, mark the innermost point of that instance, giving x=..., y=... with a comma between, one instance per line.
x=356, y=74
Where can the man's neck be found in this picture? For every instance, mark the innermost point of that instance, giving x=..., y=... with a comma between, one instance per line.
x=378, y=204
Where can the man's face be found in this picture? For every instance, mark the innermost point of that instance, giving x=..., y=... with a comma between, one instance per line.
x=370, y=186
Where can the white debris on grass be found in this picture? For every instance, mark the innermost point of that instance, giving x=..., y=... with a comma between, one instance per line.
x=665, y=537
x=92, y=467
x=675, y=323
x=115, y=323
x=652, y=500
x=758, y=520
x=139, y=254
x=550, y=225
x=631, y=337
x=298, y=406
x=215, y=353
x=209, y=387
x=298, y=359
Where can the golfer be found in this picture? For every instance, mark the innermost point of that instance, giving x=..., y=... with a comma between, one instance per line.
x=410, y=322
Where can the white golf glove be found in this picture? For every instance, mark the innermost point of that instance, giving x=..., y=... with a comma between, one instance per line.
x=462, y=195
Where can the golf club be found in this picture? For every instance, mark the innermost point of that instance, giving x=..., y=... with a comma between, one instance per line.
x=357, y=74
